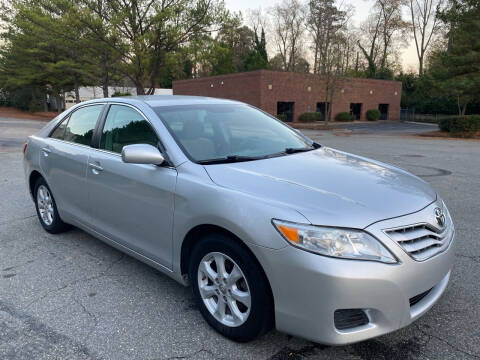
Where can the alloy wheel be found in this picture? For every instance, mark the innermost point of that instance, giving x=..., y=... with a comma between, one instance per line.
x=45, y=205
x=224, y=289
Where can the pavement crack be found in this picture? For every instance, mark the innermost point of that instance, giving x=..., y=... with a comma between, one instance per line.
x=188, y=356
x=77, y=281
x=15, y=220
x=44, y=337
x=456, y=348
x=288, y=353
x=90, y=314
x=475, y=258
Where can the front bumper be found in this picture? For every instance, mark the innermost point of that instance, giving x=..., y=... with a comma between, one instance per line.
x=308, y=288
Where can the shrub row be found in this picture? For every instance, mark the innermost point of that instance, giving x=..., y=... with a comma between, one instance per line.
x=373, y=114
x=310, y=117
x=466, y=125
x=344, y=116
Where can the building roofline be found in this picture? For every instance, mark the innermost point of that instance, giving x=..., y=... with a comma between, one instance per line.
x=264, y=71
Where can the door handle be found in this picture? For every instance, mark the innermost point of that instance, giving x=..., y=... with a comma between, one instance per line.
x=46, y=151
x=95, y=167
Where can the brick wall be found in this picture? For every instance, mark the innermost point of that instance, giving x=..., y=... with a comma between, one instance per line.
x=265, y=88
x=243, y=87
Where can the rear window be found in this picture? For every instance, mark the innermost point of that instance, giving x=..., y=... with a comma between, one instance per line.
x=79, y=127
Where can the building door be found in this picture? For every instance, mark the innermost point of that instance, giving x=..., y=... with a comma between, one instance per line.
x=322, y=108
x=383, y=108
x=285, y=110
x=356, y=110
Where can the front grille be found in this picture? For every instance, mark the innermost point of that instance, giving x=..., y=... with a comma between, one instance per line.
x=349, y=318
x=416, y=299
x=422, y=241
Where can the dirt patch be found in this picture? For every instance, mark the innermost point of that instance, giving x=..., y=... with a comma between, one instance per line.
x=9, y=112
x=449, y=136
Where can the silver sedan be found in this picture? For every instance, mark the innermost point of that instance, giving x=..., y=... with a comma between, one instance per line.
x=268, y=227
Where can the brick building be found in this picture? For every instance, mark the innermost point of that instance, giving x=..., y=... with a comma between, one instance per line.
x=295, y=93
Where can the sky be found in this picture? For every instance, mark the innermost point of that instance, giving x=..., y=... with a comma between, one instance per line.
x=362, y=8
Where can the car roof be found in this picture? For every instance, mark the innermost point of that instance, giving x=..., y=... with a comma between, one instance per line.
x=167, y=100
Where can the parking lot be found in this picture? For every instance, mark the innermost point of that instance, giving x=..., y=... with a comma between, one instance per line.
x=71, y=296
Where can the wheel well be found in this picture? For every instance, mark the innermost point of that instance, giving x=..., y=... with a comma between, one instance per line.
x=195, y=233
x=34, y=176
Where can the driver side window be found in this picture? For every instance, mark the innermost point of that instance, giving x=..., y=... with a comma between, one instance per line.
x=126, y=126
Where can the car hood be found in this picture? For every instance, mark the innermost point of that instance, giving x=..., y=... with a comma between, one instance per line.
x=329, y=187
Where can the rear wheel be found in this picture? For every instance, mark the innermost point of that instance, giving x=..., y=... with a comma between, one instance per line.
x=230, y=288
x=47, y=209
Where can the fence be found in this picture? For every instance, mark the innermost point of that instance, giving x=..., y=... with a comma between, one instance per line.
x=410, y=115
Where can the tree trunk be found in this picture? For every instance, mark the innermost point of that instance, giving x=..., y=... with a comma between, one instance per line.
x=58, y=100
x=105, y=77
x=77, y=90
x=45, y=103
x=140, y=88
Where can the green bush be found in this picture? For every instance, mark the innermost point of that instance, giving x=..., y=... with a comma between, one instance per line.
x=344, y=116
x=282, y=117
x=461, y=125
x=119, y=93
x=310, y=117
x=373, y=114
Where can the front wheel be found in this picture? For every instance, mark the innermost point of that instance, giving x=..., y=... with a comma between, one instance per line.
x=230, y=288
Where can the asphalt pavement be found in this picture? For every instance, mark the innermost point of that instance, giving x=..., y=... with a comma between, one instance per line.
x=71, y=296
x=389, y=128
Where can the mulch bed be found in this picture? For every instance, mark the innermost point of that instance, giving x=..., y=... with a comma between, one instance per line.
x=9, y=112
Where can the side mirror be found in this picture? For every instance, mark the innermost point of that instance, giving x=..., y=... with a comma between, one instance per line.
x=142, y=154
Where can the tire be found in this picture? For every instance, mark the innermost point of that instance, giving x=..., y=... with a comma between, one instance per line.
x=243, y=323
x=47, y=209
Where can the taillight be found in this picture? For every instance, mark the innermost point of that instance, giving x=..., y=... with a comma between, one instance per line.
x=25, y=147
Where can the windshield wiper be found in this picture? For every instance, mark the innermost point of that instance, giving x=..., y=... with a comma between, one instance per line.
x=288, y=151
x=229, y=159
x=297, y=150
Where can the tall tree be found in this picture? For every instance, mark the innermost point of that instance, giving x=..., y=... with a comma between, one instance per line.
x=425, y=24
x=384, y=33
x=288, y=28
x=325, y=20
x=456, y=66
x=258, y=57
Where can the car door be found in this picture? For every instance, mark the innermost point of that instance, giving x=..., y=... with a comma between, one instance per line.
x=132, y=203
x=63, y=161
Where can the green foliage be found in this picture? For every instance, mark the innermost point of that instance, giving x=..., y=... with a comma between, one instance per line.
x=426, y=97
x=119, y=94
x=455, y=68
x=461, y=125
x=282, y=117
x=310, y=117
x=373, y=114
x=56, y=46
x=27, y=99
x=221, y=60
x=257, y=58
x=344, y=116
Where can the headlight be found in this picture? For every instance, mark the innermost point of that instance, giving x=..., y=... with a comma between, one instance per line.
x=336, y=242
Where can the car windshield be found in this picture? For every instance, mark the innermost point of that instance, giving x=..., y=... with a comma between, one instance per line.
x=229, y=133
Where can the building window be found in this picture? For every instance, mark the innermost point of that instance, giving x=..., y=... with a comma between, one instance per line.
x=322, y=108
x=286, y=109
x=356, y=110
x=383, y=108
